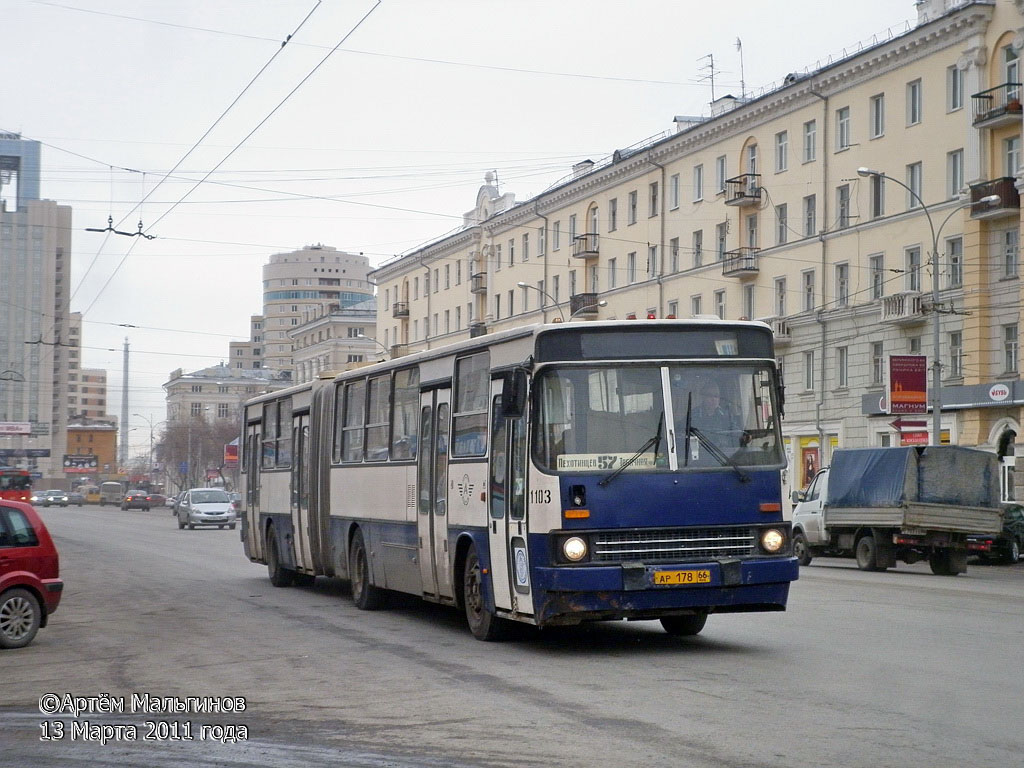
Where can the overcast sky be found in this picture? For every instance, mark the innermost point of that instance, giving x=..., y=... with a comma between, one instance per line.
x=368, y=134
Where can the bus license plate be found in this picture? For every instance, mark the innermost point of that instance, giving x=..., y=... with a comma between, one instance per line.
x=681, y=578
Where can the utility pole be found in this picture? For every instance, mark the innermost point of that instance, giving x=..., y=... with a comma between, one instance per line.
x=123, y=453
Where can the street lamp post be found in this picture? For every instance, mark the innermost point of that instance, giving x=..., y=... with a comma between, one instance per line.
x=935, y=398
x=370, y=338
x=554, y=301
x=149, y=463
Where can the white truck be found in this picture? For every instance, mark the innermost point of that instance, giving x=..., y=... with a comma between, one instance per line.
x=881, y=505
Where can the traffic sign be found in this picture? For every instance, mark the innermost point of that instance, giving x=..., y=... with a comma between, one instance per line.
x=901, y=424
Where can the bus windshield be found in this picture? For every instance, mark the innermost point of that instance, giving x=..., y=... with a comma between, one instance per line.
x=690, y=415
x=11, y=481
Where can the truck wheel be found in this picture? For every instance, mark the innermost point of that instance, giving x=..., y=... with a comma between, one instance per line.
x=800, y=549
x=945, y=562
x=866, y=554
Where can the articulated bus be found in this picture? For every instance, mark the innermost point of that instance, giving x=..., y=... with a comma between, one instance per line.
x=15, y=484
x=550, y=474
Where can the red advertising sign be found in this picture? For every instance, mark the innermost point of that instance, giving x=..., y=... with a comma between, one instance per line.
x=231, y=454
x=913, y=438
x=908, y=384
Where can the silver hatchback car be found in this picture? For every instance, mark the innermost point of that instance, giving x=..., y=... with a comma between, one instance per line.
x=205, y=506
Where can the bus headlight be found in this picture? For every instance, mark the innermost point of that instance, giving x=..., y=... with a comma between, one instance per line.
x=574, y=548
x=772, y=540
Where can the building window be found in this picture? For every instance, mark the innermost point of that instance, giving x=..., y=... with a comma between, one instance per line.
x=956, y=354
x=877, y=191
x=752, y=231
x=955, y=250
x=954, y=88
x=196, y=409
x=781, y=151
x=842, y=367
x=808, y=290
x=698, y=183
x=842, y=284
x=914, y=103
x=1011, y=252
x=695, y=306
x=877, y=363
x=720, y=174
x=572, y=229
x=781, y=223
x=556, y=235
x=673, y=191
x=673, y=250
x=810, y=141
x=698, y=247
x=1011, y=151
x=613, y=214
x=877, y=116
x=673, y=309
x=222, y=410
x=780, y=296
x=542, y=241
x=914, y=179
x=631, y=213
x=512, y=253
x=631, y=267
x=652, y=261
x=612, y=278
x=842, y=128
x=810, y=216
x=748, y=301
x=720, y=304
x=913, y=268
x=843, y=206
x=526, y=245
x=954, y=173
x=721, y=231
x=652, y=199
x=1010, y=348
x=809, y=370
x=877, y=267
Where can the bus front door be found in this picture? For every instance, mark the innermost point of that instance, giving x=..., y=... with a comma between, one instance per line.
x=432, y=493
x=508, y=524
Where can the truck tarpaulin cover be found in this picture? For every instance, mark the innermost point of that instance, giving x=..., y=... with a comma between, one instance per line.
x=937, y=474
x=872, y=477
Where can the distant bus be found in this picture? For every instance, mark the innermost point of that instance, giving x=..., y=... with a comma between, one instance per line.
x=15, y=484
x=547, y=475
x=111, y=493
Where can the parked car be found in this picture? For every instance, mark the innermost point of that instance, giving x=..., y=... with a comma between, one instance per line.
x=76, y=498
x=52, y=498
x=157, y=499
x=30, y=585
x=205, y=506
x=236, y=501
x=1006, y=545
x=135, y=500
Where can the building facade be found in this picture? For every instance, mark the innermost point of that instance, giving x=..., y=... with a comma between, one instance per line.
x=35, y=339
x=335, y=339
x=862, y=209
x=308, y=280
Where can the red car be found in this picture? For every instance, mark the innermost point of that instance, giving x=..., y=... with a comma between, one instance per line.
x=30, y=585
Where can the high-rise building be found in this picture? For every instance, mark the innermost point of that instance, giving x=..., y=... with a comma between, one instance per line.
x=35, y=335
x=314, y=279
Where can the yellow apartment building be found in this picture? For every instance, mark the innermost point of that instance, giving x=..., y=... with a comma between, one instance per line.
x=860, y=208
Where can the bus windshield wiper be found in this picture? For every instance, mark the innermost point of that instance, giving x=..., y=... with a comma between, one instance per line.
x=652, y=442
x=723, y=458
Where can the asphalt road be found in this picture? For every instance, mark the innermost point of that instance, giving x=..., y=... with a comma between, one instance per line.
x=865, y=669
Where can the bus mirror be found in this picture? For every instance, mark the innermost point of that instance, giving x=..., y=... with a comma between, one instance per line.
x=514, y=397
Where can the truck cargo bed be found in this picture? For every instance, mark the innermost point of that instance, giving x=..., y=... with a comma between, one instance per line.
x=918, y=515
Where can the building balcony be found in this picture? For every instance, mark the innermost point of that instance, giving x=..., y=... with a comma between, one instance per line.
x=743, y=190
x=997, y=106
x=399, y=350
x=1009, y=199
x=477, y=329
x=906, y=308
x=585, y=246
x=780, y=330
x=741, y=262
x=583, y=305
x=478, y=283
x=400, y=309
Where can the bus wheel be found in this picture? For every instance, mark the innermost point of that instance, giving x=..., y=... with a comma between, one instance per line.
x=482, y=623
x=366, y=596
x=684, y=626
x=279, y=575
